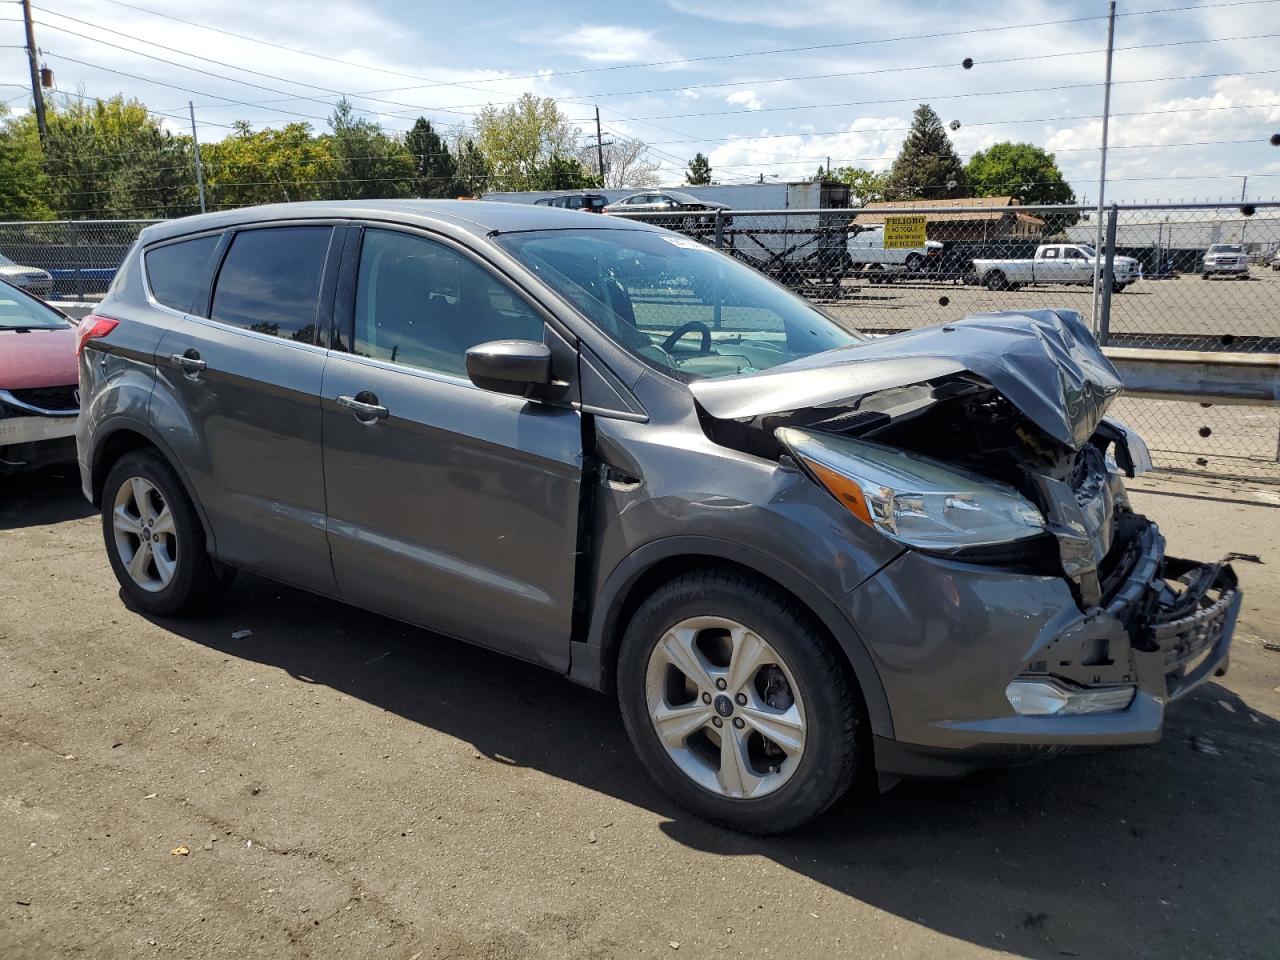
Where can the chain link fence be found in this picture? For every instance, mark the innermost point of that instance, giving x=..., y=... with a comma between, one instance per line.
x=1190, y=277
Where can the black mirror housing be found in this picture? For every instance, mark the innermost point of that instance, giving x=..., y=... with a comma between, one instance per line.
x=509, y=366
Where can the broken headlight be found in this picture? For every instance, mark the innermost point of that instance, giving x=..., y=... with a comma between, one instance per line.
x=911, y=498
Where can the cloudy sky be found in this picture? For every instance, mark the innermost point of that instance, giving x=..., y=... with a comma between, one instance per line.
x=763, y=88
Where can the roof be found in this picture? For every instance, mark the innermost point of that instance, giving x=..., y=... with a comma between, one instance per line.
x=477, y=217
x=996, y=208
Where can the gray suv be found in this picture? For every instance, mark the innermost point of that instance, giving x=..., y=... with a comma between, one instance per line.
x=798, y=556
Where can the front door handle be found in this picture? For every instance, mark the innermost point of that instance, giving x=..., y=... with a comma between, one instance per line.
x=365, y=406
x=189, y=362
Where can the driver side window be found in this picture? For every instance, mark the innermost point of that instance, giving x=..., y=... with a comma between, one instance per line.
x=423, y=304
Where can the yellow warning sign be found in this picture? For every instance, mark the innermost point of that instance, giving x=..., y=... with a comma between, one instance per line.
x=904, y=232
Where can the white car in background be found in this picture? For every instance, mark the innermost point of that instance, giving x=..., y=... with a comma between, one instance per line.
x=1225, y=259
x=866, y=250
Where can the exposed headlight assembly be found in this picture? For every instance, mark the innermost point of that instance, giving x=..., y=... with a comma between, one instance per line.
x=911, y=498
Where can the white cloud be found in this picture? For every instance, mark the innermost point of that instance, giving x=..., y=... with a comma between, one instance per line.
x=605, y=43
x=745, y=98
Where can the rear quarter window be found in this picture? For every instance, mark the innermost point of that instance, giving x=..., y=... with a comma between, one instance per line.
x=176, y=271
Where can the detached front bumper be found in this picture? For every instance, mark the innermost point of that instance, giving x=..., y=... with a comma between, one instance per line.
x=948, y=638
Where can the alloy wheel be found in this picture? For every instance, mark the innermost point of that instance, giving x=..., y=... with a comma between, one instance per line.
x=146, y=537
x=725, y=707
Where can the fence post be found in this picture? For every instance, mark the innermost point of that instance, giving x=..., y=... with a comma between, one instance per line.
x=719, y=234
x=73, y=248
x=1103, y=332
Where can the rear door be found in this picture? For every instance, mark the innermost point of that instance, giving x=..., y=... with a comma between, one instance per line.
x=1049, y=267
x=448, y=506
x=239, y=398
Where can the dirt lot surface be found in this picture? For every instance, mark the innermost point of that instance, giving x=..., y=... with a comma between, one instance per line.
x=339, y=785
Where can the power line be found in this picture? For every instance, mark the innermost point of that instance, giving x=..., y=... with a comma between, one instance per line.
x=233, y=66
x=952, y=96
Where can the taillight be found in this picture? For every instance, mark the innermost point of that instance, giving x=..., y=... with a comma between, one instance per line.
x=93, y=327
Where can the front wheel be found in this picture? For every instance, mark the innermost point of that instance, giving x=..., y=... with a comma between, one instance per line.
x=154, y=539
x=995, y=280
x=738, y=702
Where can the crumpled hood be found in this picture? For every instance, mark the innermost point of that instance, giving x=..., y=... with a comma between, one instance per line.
x=1044, y=362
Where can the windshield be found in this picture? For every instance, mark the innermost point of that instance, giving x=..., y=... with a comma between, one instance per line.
x=1088, y=251
x=6, y=262
x=677, y=305
x=1226, y=248
x=21, y=312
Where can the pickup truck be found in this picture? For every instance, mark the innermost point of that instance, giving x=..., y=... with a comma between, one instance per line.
x=867, y=251
x=1053, y=263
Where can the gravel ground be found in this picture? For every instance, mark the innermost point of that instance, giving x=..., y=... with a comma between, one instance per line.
x=337, y=784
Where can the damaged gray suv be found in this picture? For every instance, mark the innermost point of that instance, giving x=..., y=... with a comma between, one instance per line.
x=798, y=556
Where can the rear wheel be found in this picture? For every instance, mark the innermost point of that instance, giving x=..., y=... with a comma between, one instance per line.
x=154, y=539
x=738, y=702
x=915, y=263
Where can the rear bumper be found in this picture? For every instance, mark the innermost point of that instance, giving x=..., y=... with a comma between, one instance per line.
x=948, y=638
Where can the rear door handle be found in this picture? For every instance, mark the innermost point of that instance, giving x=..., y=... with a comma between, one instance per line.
x=189, y=362
x=365, y=406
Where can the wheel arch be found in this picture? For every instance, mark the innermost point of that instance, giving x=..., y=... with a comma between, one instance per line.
x=125, y=436
x=594, y=659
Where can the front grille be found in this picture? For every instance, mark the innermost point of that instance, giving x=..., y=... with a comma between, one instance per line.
x=50, y=398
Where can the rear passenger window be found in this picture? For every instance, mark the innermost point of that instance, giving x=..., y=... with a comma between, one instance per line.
x=423, y=304
x=270, y=281
x=176, y=270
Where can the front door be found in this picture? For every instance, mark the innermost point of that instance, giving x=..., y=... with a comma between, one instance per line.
x=241, y=408
x=448, y=506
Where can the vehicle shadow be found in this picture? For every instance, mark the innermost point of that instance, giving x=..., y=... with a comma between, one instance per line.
x=1158, y=851
x=41, y=497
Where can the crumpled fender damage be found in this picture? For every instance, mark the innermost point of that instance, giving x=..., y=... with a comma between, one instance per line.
x=1045, y=362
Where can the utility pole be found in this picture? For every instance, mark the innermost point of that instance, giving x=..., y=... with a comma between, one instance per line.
x=599, y=148
x=37, y=94
x=195, y=143
x=1102, y=165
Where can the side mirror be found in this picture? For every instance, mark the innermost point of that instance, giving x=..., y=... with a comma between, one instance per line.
x=509, y=366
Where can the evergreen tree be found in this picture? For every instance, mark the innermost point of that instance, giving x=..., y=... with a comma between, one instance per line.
x=368, y=163
x=472, y=168
x=927, y=167
x=699, y=173
x=434, y=166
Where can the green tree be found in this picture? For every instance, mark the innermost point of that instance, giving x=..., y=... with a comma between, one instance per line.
x=368, y=164
x=472, y=168
x=927, y=167
x=865, y=186
x=24, y=188
x=435, y=172
x=699, y=172
x=522, y=141
x=268, y=166
x=111, y=158
x=1019, y=170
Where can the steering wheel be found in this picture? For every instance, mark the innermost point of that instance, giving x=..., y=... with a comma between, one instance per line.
x=690, y=327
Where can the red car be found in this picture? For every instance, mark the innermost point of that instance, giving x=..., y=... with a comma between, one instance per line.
x=39, y=389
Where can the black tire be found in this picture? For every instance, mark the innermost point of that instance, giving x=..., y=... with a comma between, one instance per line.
x=1117, y=287
x=995, y=280
x=915, y=263
x=198, y=579
x=835, y=744
x=1204, y=276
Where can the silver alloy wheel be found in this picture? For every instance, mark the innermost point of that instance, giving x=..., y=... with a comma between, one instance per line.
x=145, y=535
x=725, y=707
